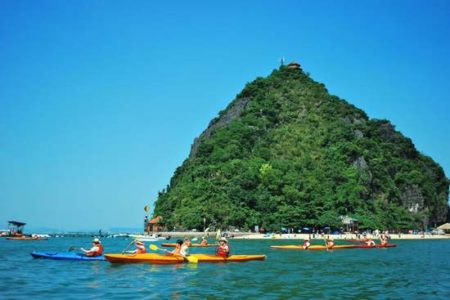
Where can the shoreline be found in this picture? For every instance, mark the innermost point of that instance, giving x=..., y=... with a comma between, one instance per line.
x=301, y=236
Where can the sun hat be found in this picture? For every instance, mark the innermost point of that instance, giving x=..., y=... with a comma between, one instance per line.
x=223, y=240
x=139, y=242
x=96, y=240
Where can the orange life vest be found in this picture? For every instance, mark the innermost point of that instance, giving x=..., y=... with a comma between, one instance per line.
x=141, y=250
x=96, y=253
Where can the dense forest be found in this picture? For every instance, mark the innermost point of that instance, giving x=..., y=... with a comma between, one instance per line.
x=286, y=153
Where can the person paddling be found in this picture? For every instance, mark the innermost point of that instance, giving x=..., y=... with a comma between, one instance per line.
x=185, y=247
x=370, y=243
x=306, y=243
x=383, y=239
x=140, y=248
x=223, y=249
x=177, y=250
x=204, y=242
x=96, y=249
x=329, y=242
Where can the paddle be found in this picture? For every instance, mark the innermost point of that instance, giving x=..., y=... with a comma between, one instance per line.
x=71, y=248
x=191, y=259
x=126, y=248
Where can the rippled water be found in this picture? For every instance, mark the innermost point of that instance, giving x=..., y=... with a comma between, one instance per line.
x=413, y=270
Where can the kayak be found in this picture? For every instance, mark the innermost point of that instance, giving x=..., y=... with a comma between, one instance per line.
x=147, y=238
x=155, y=258
x=26, y=238
x=377, y=246
x=315, y=247
x=192, y=245
x=65, y=256
x=336, y=247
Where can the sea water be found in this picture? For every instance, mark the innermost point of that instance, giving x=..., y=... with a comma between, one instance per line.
x=416, y=269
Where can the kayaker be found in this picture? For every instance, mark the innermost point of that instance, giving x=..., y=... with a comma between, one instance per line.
x=185, y=247
x=370, y=243
x=204, y=242
x=177, y=250
x=96, y=249
x=140, y=248
x=329, y=242
x=306, y=243
x=223, y=249
x=383, y=239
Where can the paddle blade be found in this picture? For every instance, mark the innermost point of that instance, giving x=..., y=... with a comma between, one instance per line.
x=192, y=259
x=153, y=247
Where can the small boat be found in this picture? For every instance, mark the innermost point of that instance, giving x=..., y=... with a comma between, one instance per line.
x=147, y=238
x=377, y=246
x=314, y=247
x=155, y=258
x=192, y=245
x=336, y=247
x=65, y=256
x=26, y=238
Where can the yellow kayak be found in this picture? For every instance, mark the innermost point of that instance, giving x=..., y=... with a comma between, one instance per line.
x=315, y=247
x=155, y=258
x=192, y=245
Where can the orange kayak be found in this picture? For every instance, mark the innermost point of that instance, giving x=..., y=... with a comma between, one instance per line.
x=192, y=245
x=155, y=258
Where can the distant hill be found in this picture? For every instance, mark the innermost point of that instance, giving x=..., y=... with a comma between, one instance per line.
x=286, y=153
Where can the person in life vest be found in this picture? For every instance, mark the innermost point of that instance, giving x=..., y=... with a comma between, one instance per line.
x=177, y=250
x=329, y=242
x=140, y=248
x=204, y=242
x=306, y=243
x=223, y=249
x=96, y=250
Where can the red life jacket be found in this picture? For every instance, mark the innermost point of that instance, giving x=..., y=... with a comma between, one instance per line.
x=221, y=252
x=98, y=252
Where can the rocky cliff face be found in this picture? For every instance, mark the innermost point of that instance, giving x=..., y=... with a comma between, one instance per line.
x=286, y=153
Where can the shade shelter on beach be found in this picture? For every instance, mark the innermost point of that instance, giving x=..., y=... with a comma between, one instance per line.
x=16, y=227
x=350, y=223
x=445, y=227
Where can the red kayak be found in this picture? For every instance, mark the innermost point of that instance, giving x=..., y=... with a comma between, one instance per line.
x=376, y=246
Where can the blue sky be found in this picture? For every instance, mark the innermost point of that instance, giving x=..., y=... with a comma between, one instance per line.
x=100, y=100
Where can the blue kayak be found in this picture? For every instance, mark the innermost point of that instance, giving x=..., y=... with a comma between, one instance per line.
x=65, y=256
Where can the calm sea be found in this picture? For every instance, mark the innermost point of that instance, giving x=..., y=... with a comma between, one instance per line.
x=413, y=270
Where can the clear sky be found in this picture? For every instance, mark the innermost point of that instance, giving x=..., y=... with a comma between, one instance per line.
x=100, y=100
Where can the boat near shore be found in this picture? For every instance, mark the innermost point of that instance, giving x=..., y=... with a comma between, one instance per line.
x=147, y=237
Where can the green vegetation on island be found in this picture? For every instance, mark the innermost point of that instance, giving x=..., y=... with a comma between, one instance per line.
x=286, y=153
